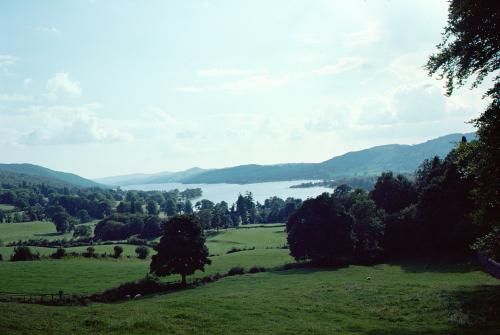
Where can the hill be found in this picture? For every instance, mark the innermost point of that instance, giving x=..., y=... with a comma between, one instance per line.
x=396, y=157
x=155, y=178
x=35, y=174
x=399, y=158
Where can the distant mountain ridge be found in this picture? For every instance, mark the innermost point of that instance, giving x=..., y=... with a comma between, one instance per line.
x=35, y=174
x=154, y=178
x=401, y=158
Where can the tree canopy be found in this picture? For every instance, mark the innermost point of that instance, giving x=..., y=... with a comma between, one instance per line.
x=181, y=249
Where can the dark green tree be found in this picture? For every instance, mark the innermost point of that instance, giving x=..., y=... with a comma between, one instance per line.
x=471, y=48
x=321, y=231
x=181, y=249
x=393, y=193
x=117, y=251
x=63, y=222
x=152, y=227
x=142, y=252
x=152, y=207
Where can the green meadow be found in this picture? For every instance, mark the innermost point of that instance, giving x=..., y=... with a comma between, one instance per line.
x=419, y=297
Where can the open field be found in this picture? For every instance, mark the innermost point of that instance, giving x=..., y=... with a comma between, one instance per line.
x=84, y=275
x=30, y=230
x=418, y=297
x=407, y=299
x=5, y=207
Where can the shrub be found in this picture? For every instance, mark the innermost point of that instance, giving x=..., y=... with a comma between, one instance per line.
x=142, y=252
x=236, y=270
x=256, y=269
x=90, y=252
x=23, y=253
x=234, y=249
x=82, y=231
x=117, y=251
x=60, y=253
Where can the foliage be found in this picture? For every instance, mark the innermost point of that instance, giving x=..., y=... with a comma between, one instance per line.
x=22, y=253
x=322, y=231
x=82, y=231
x=60, y=253
x=393, y=193
x=63, y=222
x=181, y=249
x=142, y=252
x=236, y=271
x=489, y=244
x=471, y=47
x=117, y=251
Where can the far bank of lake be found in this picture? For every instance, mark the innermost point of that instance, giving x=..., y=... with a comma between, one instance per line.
x=230, y=192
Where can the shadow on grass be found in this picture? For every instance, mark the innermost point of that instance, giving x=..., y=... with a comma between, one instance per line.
x=443, y=265
x=476, y=307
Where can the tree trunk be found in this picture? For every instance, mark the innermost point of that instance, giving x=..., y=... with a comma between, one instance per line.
x=183, y=280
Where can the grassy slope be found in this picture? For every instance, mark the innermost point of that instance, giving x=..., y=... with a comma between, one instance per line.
x=5, y=207
x=30, y=230
x=400, y=299
x=52, y=275
x=409, y=298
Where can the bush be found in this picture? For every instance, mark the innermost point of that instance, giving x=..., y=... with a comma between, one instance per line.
x=90, y=253
x=82, y=231
x=489, y=244
x=234, y=249
x=236, y=270
x=256, y=269
x=142, y=252
x=23, y=253
x=117, y=251
x=60, y=253
x=1, y=257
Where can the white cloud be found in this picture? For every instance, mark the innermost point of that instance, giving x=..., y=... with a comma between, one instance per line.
x=6, y=61
x=370, y=34
x=227, y=72
x=343, y=65
x=27, y=82
x=47, y=29
x=62, y=83
x=67, y=125
x=14, y=97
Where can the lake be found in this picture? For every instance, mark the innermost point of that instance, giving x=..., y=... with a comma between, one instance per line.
x=229, y=192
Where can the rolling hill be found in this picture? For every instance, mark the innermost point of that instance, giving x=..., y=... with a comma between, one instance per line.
x=155, y=178
x=35, y=174
x=396, y=157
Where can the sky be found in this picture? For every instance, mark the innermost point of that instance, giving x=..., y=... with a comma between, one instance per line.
x=102, y=88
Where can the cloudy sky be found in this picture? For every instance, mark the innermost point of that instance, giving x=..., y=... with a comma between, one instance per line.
x=105, y=88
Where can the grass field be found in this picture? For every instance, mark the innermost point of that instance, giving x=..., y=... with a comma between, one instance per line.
x=400, y=299
x=424, y=297
x=5, y=207
x=30, y=230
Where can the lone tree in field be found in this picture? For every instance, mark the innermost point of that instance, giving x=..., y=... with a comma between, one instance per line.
x=182, y=248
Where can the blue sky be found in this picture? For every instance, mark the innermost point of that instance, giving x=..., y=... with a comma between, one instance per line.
x=105, y=88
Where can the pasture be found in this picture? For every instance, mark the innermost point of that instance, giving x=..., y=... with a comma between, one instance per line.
x=399, y=299
x=410, y=298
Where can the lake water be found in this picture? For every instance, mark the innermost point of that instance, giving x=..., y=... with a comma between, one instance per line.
x=229, y=192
